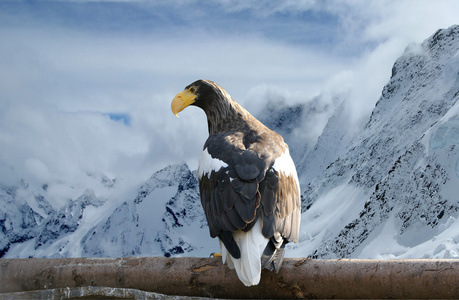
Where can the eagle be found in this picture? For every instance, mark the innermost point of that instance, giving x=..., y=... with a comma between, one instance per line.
x=248, y=183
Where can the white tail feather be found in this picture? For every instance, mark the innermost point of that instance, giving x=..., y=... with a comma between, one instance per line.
x=251, y=244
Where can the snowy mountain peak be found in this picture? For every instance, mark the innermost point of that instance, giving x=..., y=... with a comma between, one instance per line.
x=390, y=181
x=156, y=222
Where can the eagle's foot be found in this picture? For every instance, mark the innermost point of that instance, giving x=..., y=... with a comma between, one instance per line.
x=213, y=254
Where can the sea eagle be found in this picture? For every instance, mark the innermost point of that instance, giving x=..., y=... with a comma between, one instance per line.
x=248, y=183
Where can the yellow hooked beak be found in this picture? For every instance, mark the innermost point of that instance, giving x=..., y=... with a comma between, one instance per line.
x=182, y=100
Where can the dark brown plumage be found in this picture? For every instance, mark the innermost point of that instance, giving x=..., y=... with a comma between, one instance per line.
x=247, y=181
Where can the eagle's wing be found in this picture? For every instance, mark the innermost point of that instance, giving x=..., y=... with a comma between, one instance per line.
x=281, y=207
x=239, y=182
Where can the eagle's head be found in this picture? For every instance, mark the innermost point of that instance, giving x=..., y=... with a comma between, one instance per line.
x=223, y=113
x=202, y=93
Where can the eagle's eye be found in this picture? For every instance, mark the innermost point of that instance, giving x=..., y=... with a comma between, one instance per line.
x=192, y=89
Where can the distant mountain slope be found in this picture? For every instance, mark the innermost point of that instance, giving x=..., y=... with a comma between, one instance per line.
x=164, y=219
x=395, y=188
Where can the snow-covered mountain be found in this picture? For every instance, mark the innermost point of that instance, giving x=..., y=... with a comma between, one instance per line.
x=164, y=218
x=290, y=121
x=393, y=193
x=387, y=190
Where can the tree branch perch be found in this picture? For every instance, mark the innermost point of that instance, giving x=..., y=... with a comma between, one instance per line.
x=207, y=277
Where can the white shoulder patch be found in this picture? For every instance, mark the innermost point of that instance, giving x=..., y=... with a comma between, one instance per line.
x=284, y=164
x=207, y=164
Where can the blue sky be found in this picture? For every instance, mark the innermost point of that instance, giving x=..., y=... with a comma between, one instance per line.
x=86, y=86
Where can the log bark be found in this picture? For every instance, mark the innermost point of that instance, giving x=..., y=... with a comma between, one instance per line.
x=207, y=277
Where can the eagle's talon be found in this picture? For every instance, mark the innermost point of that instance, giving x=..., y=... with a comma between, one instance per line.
x=213, y=254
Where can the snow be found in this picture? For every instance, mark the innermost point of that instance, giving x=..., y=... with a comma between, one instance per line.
x=446, y=133
x=451, y=70
x=148, y=208
x=386, y=243
x=443, y=245
x=382, y=243
x=329, y=214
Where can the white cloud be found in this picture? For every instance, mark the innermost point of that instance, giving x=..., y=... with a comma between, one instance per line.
x=59, y=95
x=37, y=169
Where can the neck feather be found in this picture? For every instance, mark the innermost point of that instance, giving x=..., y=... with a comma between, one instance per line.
x=225, y=114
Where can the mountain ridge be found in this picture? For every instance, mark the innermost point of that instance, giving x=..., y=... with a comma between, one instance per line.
x=380, y=160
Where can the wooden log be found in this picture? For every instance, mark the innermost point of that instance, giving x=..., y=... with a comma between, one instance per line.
x=207, y=277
